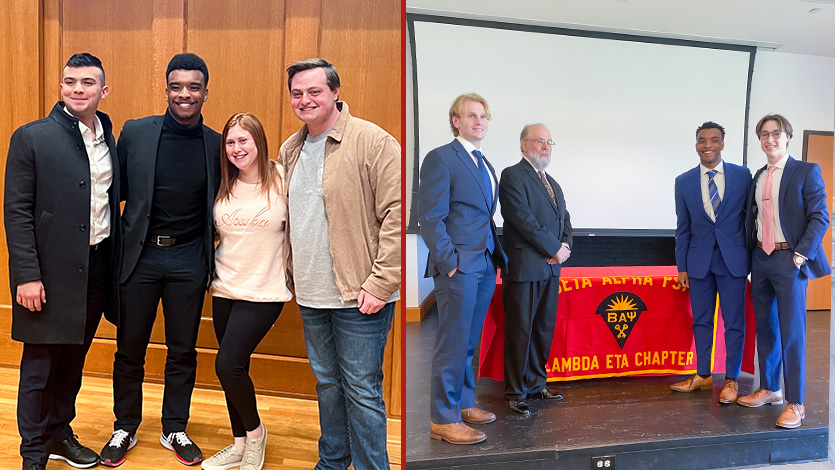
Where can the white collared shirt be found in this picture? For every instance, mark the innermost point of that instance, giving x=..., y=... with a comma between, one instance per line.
x=101, y=177
x=719, y=179
x=776, y=177
x=469, y=147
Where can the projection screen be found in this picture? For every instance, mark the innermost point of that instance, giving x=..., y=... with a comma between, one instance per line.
x=623, y=110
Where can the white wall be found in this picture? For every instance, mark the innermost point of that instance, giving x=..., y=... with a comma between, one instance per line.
x=798, y=86
x=801, y=88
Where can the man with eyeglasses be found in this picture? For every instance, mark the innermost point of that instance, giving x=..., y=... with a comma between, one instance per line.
x=538, y=237
x=711, y=256
x=456, y=201
x=786, y=220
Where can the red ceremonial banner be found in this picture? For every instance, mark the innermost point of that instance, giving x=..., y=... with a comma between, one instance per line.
x=618, y=321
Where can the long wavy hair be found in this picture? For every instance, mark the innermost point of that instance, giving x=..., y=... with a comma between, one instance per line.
x=267, y=171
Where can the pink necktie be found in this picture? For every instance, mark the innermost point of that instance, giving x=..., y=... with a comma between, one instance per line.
x=768, y=213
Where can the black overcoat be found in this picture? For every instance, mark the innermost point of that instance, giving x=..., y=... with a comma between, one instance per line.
x=47, y=217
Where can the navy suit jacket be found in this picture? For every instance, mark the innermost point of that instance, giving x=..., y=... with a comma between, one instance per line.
x=804, y=216
x=696, y=234
x=534, y=227
x=455, y=219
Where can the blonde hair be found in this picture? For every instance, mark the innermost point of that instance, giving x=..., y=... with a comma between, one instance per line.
x=457, y=108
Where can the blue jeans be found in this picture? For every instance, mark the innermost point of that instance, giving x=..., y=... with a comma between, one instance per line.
x=345, y=348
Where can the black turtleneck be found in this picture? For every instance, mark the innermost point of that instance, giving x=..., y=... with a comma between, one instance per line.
x=179, y=208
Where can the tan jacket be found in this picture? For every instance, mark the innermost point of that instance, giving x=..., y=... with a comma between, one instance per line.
x=361, y=187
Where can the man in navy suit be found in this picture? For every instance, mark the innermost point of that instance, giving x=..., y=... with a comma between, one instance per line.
x=537, y=236
x=786, y=221
x=456, y=201
x=711, y=255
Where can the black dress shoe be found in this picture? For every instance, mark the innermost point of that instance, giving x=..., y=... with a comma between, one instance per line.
x=519, y=406
x=33, y=466
x=73, y=453
x=546, y=394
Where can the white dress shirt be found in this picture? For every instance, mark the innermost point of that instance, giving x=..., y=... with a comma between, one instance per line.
x=469, y=148
x=719, y=179
x=101, y=177
x=776, y=177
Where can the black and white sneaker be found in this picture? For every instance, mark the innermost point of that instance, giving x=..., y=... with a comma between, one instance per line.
x=73, y=453
x=187, y=451
x=113, y=453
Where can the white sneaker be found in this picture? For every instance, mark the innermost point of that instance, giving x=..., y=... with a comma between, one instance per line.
x=225, y=459
x=255, y=450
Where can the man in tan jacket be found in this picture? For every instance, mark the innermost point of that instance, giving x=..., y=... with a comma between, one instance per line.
x=343, y=184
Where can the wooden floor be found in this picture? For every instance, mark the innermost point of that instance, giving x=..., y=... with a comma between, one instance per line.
x=292, y=424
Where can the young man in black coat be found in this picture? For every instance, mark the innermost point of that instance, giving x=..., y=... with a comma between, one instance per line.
x=170, y=171
x=62, y=229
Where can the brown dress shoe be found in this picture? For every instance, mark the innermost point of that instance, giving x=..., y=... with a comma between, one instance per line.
x=693, y=383
x=477, y=416
x=761, y=397
x=456, y=433
x=791, y=416
x=730, y=392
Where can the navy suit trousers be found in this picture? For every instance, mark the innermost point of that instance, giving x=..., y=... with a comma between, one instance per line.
x=731, y=292
x=462, y=302
x=779, y=292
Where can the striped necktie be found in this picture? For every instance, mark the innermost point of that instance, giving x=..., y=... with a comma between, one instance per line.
x=713, y=191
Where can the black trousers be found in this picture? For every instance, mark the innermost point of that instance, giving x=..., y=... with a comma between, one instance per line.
x=530, y=316
x=239, y=326
x=50, y=374
x=176, y=275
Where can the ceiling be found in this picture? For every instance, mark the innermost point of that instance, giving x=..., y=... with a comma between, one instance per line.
x=779, y=25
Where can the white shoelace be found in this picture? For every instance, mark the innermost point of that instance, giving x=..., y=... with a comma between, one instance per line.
x=118, y=438
x=182, y=438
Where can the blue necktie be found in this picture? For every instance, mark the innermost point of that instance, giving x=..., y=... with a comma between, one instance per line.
x=488, y=185
x=713, y=191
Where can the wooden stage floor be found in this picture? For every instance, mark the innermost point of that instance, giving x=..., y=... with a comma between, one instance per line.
x=638, y=420
x=292, y=424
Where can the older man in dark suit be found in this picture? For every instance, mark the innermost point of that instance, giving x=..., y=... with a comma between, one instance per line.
x=456, y=201
x=62, y=229
x=170, y=169
x=786, y=221
x=537, y=239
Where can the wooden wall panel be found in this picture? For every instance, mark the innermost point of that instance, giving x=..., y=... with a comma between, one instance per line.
x=244, y=49
x=301, y=41
x=819, y=150
x=134, y=40
x=362, y=38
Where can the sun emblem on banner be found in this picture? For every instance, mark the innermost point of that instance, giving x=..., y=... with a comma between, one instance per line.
x=621, y=311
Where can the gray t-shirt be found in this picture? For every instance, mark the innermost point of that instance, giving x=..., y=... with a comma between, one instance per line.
x=312, y=262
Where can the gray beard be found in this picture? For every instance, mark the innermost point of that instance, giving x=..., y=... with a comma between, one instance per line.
x=537, y=161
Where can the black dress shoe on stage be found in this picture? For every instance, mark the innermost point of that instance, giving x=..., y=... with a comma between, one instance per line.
x=75, y=454
x=33, y=466
x=546, y=394
x=519, y=406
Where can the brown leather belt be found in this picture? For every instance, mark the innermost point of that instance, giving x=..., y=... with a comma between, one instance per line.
x=777, y=246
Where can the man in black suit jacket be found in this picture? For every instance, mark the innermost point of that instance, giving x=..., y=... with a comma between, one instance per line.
x=62, y=228
x=537, y=239
x=170, y=172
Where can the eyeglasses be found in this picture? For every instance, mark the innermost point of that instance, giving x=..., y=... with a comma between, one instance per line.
x=775, y=134
x=542, y=141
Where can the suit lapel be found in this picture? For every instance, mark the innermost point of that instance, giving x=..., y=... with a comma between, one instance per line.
x=788, y=173
x=149, y=147
x=538, y=183
x=470, y=164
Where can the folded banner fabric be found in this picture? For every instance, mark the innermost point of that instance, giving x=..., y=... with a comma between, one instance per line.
x=618, y=321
